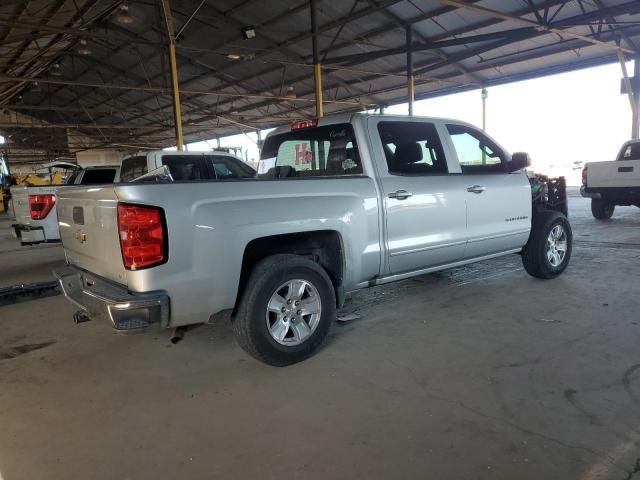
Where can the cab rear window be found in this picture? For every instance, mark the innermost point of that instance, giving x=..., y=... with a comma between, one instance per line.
x=95, y=176
x=314, y=152
x=630, y=152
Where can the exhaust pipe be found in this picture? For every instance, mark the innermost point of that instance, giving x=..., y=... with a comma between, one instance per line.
x=80, y=317
x=178, y=334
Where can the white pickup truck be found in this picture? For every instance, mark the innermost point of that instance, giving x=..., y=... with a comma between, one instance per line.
x=185, y=166
x=613, y=183
x=346, y=202
x=34, y=207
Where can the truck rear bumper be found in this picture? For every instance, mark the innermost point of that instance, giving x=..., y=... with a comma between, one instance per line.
x=29, y=235
x=98, y=298
x=586, y=194
x=616, y=195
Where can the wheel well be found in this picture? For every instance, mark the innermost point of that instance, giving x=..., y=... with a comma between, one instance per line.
x=323, y=247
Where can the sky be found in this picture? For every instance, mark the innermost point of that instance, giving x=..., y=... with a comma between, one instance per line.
x=561, y=119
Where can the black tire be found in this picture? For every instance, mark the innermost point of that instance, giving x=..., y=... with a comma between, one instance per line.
x=250, y=323
x=534, y=253
x=602, y=209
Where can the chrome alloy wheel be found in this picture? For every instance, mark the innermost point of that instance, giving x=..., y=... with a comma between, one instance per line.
x=293, y=312
x=556, y=246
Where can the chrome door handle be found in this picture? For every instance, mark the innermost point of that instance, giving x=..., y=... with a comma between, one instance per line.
x=400, y=195
x=476, y=189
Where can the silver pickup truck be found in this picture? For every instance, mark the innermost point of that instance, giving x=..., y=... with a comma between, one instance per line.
x=34, y=207
x=344, y=203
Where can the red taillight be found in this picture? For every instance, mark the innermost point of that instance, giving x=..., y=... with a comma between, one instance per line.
x=301, y=124
x=41, y=205
x=142, y=236
x=584, y=175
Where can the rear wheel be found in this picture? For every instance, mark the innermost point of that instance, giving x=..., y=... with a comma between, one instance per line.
x=547, y=253
x=286, y=311
x=602, y=209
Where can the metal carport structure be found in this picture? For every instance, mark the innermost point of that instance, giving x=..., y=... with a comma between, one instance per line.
x=86, y=74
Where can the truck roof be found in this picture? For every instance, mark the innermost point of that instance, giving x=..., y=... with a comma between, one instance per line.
x=348, y=117
x=178, y=152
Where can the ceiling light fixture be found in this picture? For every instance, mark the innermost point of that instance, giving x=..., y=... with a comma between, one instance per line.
x=123, y=15
x=248, y=32
x=291, y=92
x=84, y=49
x=55, y=70
x=233, y=56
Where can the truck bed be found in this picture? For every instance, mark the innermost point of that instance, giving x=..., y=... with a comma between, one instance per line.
x=614, y=174
x=209, y=224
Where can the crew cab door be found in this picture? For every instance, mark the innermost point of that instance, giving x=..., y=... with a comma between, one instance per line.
x=498, y=202
x=424, y=203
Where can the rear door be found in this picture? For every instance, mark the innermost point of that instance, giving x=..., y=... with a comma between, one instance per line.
x=498, y=203
x=424, y=203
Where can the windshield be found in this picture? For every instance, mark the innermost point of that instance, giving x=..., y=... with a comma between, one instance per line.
x=311, y=152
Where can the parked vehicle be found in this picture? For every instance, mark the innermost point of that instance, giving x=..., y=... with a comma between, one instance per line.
x=613, y=183
x=186, y=165
x=5, y=184
x=347, y=202
x=34, y=207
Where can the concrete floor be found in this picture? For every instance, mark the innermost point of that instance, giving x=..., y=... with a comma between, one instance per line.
x=481, y=372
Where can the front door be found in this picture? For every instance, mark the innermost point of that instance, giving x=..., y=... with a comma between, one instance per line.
x=424, y=201
x=498, y=203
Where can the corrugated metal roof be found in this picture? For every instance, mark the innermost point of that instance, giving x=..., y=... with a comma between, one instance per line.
x=118, y=95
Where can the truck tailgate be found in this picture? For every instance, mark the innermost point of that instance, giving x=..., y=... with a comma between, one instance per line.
x=88, y=221
x=21, y=208
x=620, y=173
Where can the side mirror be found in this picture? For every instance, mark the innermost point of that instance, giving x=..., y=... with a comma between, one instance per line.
x=519, y=160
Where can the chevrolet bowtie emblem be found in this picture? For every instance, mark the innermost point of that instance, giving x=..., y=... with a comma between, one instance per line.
x=81, y=236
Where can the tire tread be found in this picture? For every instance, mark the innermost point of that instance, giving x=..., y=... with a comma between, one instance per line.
x=258, y=280
x=533, y=254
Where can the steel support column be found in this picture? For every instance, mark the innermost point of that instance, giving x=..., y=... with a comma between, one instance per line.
x=317, y=69
x=410, y=76
x=175, y=87
x=635, y=122
x=484, y=94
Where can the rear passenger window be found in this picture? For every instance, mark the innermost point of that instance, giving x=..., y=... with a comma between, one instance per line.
x=477, y=153
x=412, y=148
x=132, y=168
x=225, y=167
x=311, y=152
x=185, y=167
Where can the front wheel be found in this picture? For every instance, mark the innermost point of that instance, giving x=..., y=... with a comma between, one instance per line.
x=286, y=311
x=547, y=253
x=602, y=209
